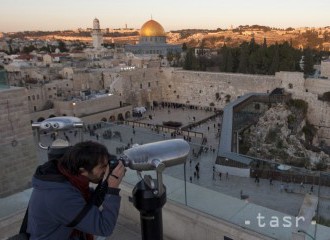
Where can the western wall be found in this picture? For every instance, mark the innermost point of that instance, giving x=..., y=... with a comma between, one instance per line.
x=142, y=87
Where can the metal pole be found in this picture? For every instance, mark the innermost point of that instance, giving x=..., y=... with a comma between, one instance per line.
x=185, y=183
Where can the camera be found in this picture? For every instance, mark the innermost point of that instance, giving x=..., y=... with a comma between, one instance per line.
x=113, y=161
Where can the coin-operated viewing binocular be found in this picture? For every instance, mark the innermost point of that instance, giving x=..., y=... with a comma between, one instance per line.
x=56, y=124
x=149, y=195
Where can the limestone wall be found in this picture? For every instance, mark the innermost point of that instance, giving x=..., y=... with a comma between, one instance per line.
x=318, y=111
x=317, y=86
x=325, y=68
x=108, y=115
x=88, y=107
x=204, y=88
x=142, y=86
x=84, y=80
x=18, y=157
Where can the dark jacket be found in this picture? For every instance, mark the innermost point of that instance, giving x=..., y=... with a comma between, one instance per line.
x=54, y=203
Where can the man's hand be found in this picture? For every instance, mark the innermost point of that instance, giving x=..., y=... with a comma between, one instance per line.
x=116, y=176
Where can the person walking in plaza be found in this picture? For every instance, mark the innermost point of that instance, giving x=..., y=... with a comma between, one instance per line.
x=61, y=195
x=213, y=173
x=197, y=170
x=302, y=186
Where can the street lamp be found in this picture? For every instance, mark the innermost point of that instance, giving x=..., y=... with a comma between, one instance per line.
x=73, y=109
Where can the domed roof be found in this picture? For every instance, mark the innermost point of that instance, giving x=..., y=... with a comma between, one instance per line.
x=152, y=29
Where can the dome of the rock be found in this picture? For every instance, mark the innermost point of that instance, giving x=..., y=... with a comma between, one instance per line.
x=152, y=29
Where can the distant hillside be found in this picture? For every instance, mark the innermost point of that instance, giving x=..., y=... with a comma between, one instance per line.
x=316, y=38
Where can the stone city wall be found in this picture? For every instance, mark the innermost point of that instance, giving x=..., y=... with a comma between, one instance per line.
x=108, y=115
x=84, y=80
x=205, y=88
x=317, y=86
x=318, y=114
x=35, y=116
x=18, y=152
x=87, y=107
x=325, y=69
x=318, y=111
x=142, y=86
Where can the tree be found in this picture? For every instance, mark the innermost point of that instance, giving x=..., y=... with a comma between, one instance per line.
x=28, y=49
x=274, y=66
x=62, y=46
x=229, y=61
x=308, y=62
x=243, y=58
x=190, y=62
x=184, y=47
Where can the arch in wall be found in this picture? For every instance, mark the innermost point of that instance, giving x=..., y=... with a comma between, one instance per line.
x=112, y=118
x=103, y=119
x=127, y=114
x=120, y=117
x=51, y=116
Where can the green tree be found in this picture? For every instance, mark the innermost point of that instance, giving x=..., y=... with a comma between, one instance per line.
x=229, y=61
x=184, y=47
x=308, y=62
x=190, y=62
x=274, y=66
x=62, y=46
x=243, y=58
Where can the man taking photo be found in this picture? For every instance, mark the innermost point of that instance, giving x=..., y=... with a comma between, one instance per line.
x=63, y=206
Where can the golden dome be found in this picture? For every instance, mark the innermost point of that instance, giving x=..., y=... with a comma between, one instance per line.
x=152, y=29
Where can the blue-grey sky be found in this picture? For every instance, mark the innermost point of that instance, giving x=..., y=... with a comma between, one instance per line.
x=21, y=15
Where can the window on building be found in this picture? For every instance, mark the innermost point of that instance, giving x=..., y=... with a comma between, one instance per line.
x=37, y=96
x=140, y=85
x=50, y=96
x=33, y=98
x=290, y=85
x=149, y=84
x=157, y=83
x=34, y=108
x=29, y=98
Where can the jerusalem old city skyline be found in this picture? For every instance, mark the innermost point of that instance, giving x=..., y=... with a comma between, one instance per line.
x=40, y=15
x=212, y=116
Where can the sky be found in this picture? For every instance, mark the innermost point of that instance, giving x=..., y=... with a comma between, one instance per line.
x=49, y=15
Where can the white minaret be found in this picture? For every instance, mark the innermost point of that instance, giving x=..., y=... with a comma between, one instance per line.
x=97, y=34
